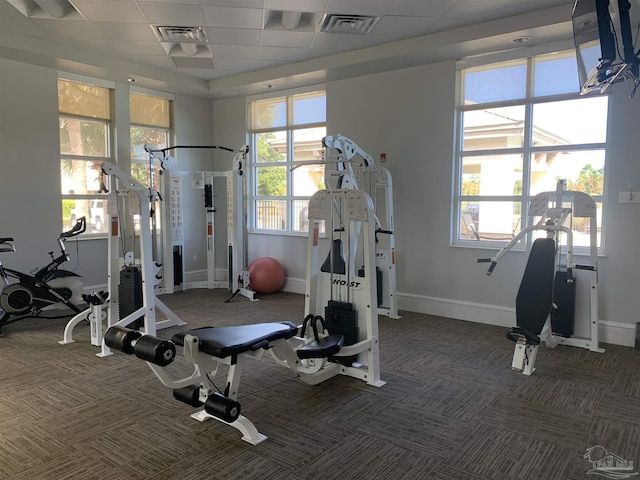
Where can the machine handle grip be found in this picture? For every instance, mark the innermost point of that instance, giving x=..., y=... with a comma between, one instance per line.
x=483, y=260
x=585, y=267
x=491, y=267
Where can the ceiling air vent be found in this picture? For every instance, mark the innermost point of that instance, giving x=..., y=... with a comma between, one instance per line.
x=180, y=34
x=342, y=23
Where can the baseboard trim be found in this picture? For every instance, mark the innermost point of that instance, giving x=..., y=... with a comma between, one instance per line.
x=615, y=333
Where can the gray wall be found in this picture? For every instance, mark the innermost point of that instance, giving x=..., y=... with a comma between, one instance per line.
x=409, y=115
x=30, y=203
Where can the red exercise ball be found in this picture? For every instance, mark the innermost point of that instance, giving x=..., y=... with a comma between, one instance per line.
x=266, y=275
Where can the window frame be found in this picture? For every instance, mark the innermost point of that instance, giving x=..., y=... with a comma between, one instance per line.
x=290, y=127
x=168, y=130
x=108, y=157
x=527, y=151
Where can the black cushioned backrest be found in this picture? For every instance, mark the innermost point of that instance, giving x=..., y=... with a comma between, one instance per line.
x=222, y=342
x=535, y=296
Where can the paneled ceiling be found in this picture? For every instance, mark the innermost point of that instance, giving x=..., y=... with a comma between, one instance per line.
x=232, y=47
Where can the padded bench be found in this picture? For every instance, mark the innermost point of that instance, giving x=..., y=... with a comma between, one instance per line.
x=223, y=342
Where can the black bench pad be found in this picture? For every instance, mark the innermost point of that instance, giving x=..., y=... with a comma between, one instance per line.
x=222, y=342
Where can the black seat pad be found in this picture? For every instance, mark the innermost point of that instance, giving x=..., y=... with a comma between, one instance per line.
x=535, y=296
x=225, y=341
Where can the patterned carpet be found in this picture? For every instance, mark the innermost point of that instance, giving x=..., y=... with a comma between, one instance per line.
x=451, y=407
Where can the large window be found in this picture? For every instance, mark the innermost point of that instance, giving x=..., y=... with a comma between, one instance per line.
x=85, y=126
x=522, y=127
x=286, y=159
x=150, y=124
x=150, y=118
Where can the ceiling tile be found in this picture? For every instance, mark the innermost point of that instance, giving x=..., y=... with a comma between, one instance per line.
x=284, y=53
x=422, y=8
x=126, y=31
x=271, y=38
x=297, y=5
x=236, y=51
x=116, y=11
x=73, y=29
x=137, y=48
x=339, y=42
x=233, y=36
x=233, y=17
x=233, y=3
x=359, y=7
x=402, y=27
x=171, y=14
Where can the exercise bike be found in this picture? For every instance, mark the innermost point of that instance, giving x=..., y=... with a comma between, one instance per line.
x=25, y=295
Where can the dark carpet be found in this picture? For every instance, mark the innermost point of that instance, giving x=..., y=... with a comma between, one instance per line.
x=451, y=408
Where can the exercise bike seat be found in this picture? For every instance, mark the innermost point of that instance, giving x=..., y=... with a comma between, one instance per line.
x=223, y=342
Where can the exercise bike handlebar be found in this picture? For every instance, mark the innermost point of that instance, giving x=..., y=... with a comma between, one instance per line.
x=79, y=227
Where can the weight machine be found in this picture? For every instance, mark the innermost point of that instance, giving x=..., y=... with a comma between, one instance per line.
x=547, y=303
x=334, y=290
x=353, y=168
x=238, y=276
x=149, y=269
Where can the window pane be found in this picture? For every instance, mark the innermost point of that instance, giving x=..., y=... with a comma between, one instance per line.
x=555, y=74
x=149, y=110
x=141, y=173
x=141, y=136
x=269, y=113
x=83, y=137
x=95, y=211
x=85, y=100
x=583, y=170
x=300, y=215
x=271, y=214
x=271, y=147
x=489, y=221
x=307, y=144
x=506, y=82
x=492, y=175
x=80, y=177
x=494, y=128
x=309, y=108
x=307, y=180
x=271, y=181
x=581, y=228
x=570, y=122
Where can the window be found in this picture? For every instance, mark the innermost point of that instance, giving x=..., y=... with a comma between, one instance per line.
x=150, y=123
x=522, y=127
x=286, y=159
x=85, y=126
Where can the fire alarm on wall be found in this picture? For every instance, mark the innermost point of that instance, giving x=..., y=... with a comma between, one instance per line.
x=383, y=157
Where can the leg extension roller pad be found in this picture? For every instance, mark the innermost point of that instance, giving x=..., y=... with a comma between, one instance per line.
x=121, y=339
x=222, y=407
x=145, y=347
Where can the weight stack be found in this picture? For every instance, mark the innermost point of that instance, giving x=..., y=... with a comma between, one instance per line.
x=564, y=296
x=130, y=295
x=341, y=319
